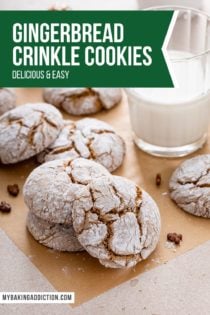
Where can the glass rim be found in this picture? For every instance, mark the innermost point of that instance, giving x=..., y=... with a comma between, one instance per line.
x=131, y=91
x=182, y=8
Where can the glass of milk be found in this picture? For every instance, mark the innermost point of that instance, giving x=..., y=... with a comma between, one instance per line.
x=173, y=122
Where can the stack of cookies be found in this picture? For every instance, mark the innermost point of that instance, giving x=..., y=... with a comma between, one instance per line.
x=77, y=204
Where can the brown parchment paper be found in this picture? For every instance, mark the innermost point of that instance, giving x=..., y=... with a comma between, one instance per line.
x=78, y=271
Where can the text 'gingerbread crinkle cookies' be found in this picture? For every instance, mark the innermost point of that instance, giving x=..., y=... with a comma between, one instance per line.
x=87, y=138
x=190, y=186
x=122, y=227
x=27, y=130
x=7, y=100
x=83, y=101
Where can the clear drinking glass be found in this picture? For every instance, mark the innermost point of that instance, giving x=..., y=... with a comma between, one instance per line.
x=173, y=122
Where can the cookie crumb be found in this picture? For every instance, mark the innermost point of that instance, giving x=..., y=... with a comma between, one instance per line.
x=174, y=238
x=65, y=270
x=156, y=260
x=158, y=179
x=13, y=190
x=5, y=207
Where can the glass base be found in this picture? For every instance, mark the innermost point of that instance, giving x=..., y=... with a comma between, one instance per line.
x=168, y=152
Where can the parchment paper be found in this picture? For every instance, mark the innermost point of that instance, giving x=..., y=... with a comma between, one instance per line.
x=79, y=272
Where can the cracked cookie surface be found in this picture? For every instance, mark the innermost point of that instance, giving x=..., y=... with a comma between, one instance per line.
x=51, y=192
x=7, y=100
x=190, y=186
x=53, y=189
x=56, y=236
x=83, y=101
x=27, y=130
x=113, y=219
x=87, y=138
x=121, y=227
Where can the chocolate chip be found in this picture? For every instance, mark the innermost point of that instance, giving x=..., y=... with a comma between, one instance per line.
x=180, y=237
x=5, y=207
x=158, y=180
x=13, y=190
x=174, y=238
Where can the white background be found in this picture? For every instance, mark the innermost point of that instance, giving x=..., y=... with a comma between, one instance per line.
x=99, y=4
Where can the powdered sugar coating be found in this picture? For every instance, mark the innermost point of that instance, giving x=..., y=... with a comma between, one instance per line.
x=7, y=100
x=83, y=101
x=88, y=138
x=190, y=186
x=27, y=130
x=113, y=219
x=56, y=236
x=123, y=225
x=53, y=189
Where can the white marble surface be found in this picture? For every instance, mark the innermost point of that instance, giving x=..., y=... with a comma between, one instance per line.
x=75, y=4
x=18, y=274
x=100, y=4
x=180, y=287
